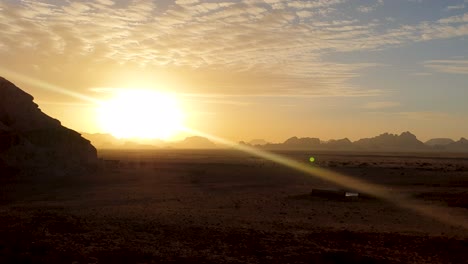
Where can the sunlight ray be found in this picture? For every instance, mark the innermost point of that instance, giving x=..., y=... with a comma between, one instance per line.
x=47, y=86
x=437, y=213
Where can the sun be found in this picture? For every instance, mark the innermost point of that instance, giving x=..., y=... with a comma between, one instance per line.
x=144, y=114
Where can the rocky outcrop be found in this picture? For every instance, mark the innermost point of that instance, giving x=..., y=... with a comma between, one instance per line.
x=102, y=141
x=258, y=142
x=391, y=142
x=306, y=142
x=439, y=142
x=458, y=146
x=107, y=141
x=31, y=139
x=339, y=144
x=195, y=142
x=295, y=143
x=405, y=142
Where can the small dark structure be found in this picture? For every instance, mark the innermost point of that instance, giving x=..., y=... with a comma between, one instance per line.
x=334, y=193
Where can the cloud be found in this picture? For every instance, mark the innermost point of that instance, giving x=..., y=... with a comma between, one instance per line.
x=215, y=101
x=455, y=19
x=234, y=47
x=425, y=115
x=455, y=7
x=186, y=2
x=380, y=105
x=199, y=35
x=317, y=94
x=366, y=9
x=79, y=104
x=314, y=4
x=106, y=2
x=420, y=73
x=448, y=66
x=370, y=8
x=414, y=116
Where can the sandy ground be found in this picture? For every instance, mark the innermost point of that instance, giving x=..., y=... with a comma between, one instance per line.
x=177, y=206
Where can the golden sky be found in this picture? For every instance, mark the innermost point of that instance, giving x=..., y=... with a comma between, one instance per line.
x=248, y=69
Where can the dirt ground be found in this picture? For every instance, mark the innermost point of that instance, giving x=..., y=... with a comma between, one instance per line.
x=220, y=206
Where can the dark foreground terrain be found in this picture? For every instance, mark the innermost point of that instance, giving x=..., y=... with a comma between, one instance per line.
x=226, y=207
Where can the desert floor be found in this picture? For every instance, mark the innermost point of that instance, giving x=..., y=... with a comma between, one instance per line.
x=220, y=206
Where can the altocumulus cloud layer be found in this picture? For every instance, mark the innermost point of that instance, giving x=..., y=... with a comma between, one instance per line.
x=249, y=47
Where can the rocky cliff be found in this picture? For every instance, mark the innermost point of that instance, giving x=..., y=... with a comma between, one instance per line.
x=458, y=146
x=194, y=142
x=439, y=142
x=31, y=139
x=390, y=142
x=295, y=143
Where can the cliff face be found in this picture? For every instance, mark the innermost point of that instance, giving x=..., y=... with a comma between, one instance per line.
x=302, y=142
x=439, y=142
x=458, y=146
x=195, y=142
x=340, y=144
x=30, y=138
x=295, y=143
x=390, y=142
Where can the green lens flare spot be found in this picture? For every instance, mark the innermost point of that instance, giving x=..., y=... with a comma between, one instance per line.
x=312, y=159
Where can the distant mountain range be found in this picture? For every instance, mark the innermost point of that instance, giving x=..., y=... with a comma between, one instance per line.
x=439, y=142
x=107, y=141
x=405, y=142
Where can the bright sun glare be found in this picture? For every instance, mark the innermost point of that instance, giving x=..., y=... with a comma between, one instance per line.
x=144, y=114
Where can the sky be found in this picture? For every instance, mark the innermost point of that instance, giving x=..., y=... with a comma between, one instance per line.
x=249, y=69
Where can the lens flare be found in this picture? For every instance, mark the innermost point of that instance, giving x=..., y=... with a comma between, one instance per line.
x=438, y=213
x=47, y=86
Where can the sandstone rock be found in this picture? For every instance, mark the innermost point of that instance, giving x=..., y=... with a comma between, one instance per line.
x=390, y=142
x=439, y=142
x=31, y=139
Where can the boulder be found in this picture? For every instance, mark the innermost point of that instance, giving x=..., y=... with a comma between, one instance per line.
x=31, y=139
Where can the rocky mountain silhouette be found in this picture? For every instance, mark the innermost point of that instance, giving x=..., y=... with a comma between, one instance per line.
x=295, y=143
x=31, y=139
x=391, y=142
x=439, y=142
x=405, y=142
x=102, y=141
x=257, y=142
x=194, y=142
x=107, y=141
x=302, y=142
x=339, y=144
x=458, y=146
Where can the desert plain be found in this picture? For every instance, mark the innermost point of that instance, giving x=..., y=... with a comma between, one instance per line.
x=225, y=206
